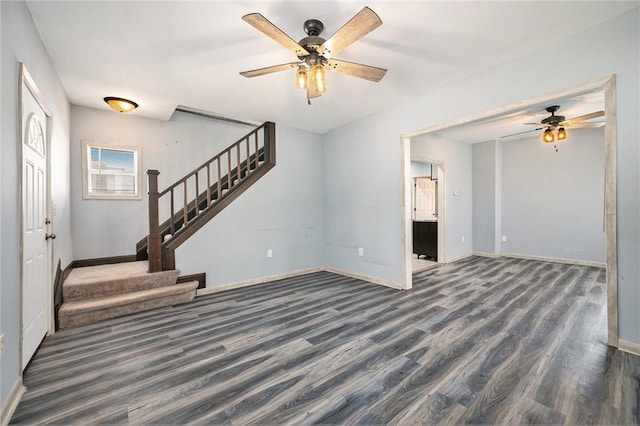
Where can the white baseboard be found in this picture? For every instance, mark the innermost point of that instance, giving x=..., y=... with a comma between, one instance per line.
x=630, y=347
x=556, y=260
x=483, y=254
x=373, y=280
x=11, y=403
x=257, y=281
x=455, y=259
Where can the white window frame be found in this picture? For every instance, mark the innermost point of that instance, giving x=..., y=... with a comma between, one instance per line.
x=90, y=192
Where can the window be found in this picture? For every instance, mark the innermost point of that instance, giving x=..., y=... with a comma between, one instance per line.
x=111, y=172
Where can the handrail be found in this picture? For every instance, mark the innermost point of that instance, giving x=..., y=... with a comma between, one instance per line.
x=219, y=184
x=214, y=158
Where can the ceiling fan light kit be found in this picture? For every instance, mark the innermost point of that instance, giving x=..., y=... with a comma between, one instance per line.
x=562, y=134
x=314, y=52
x=558, y=123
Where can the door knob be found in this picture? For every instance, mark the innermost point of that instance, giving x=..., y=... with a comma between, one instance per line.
x=50, y=236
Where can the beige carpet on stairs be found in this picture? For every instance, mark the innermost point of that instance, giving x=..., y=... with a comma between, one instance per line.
x=96, y=293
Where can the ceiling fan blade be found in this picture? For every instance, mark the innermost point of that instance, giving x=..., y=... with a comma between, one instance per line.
x=534, y=124
x=269, y=70
x=585, y=125
x=312, y=92
x=586, y=117
x=263, y=24
x=357, y=70
x=521, y=133
x=360, y=25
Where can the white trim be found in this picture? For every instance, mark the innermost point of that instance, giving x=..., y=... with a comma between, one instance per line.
x=25, y=80
x=263, y=280
x=507, y=109
x=407, y=207
x=11, y=402
x=608, y=85
x=455, y=259
x=406, y=232
x=484, y=254
x=424, y=268
x=256, y=281
x=556, y=260
x=629, y=347
x=374, y=280
x=88, y=193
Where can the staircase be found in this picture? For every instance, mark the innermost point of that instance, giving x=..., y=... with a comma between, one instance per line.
x=192, y=201
x=94, y=293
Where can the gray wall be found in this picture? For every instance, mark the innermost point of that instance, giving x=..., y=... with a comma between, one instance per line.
x=362, y=200
x=420, y=169
x=282, y=212
x=361, y=177
x=363, y=159
x=21, y=43
x=485, y=192
x=553, y=202
x=112, y=227
x=458, y=209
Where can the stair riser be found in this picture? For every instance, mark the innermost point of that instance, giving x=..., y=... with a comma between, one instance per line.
x=72, y=319
x=107, y=287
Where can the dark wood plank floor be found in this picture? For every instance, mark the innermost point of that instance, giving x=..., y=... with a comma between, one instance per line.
x=478, y=341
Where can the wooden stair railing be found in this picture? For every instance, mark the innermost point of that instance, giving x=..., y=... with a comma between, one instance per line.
x=174, y=223
x=213, y=186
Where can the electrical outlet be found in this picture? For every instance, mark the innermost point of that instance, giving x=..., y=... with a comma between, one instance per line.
x=1, y=345
x=269, y=253
x=504, y=238
x=360, y=251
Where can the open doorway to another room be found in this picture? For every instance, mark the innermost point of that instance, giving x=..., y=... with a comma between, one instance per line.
x=427, y=206
x=505, y=124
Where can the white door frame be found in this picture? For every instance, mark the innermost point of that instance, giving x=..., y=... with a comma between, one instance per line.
x=608, y=84
x=25, y=79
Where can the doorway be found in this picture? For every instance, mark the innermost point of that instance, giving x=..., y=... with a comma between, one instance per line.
x=36, y=253
x=427, y=213
x=607, y=85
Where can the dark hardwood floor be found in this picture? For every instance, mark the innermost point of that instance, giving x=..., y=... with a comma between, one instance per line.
x=478, y=341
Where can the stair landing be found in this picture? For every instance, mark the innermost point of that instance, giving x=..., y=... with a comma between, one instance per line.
x=96, y=293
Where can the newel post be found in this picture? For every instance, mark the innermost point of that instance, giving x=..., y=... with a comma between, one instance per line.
x=154, y=241
x=270, y=142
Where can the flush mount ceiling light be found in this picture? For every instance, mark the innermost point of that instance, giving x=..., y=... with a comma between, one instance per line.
x=120, y=104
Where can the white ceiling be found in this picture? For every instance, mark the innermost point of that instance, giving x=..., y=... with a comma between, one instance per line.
x=511, y=126
x=165, y=54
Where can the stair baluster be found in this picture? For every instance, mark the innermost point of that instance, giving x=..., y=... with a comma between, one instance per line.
x=230, y=183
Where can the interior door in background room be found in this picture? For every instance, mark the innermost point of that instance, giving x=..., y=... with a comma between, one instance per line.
x=35, y=253
x=424, y=199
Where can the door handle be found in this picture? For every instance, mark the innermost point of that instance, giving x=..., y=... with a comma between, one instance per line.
x=50, y=236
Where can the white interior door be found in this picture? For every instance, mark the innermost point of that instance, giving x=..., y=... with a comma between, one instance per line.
x=35, y=279
x=424, y=204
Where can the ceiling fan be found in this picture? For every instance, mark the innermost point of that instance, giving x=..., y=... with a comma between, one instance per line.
x=560, y=122
x=315, y=53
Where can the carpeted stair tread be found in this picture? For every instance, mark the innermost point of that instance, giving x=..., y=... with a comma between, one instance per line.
x=73, y=314
x=93, y=282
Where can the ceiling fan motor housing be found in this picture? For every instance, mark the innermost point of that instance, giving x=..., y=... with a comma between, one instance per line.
x=313, y=27
x=311, y=43
x=553, y=120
